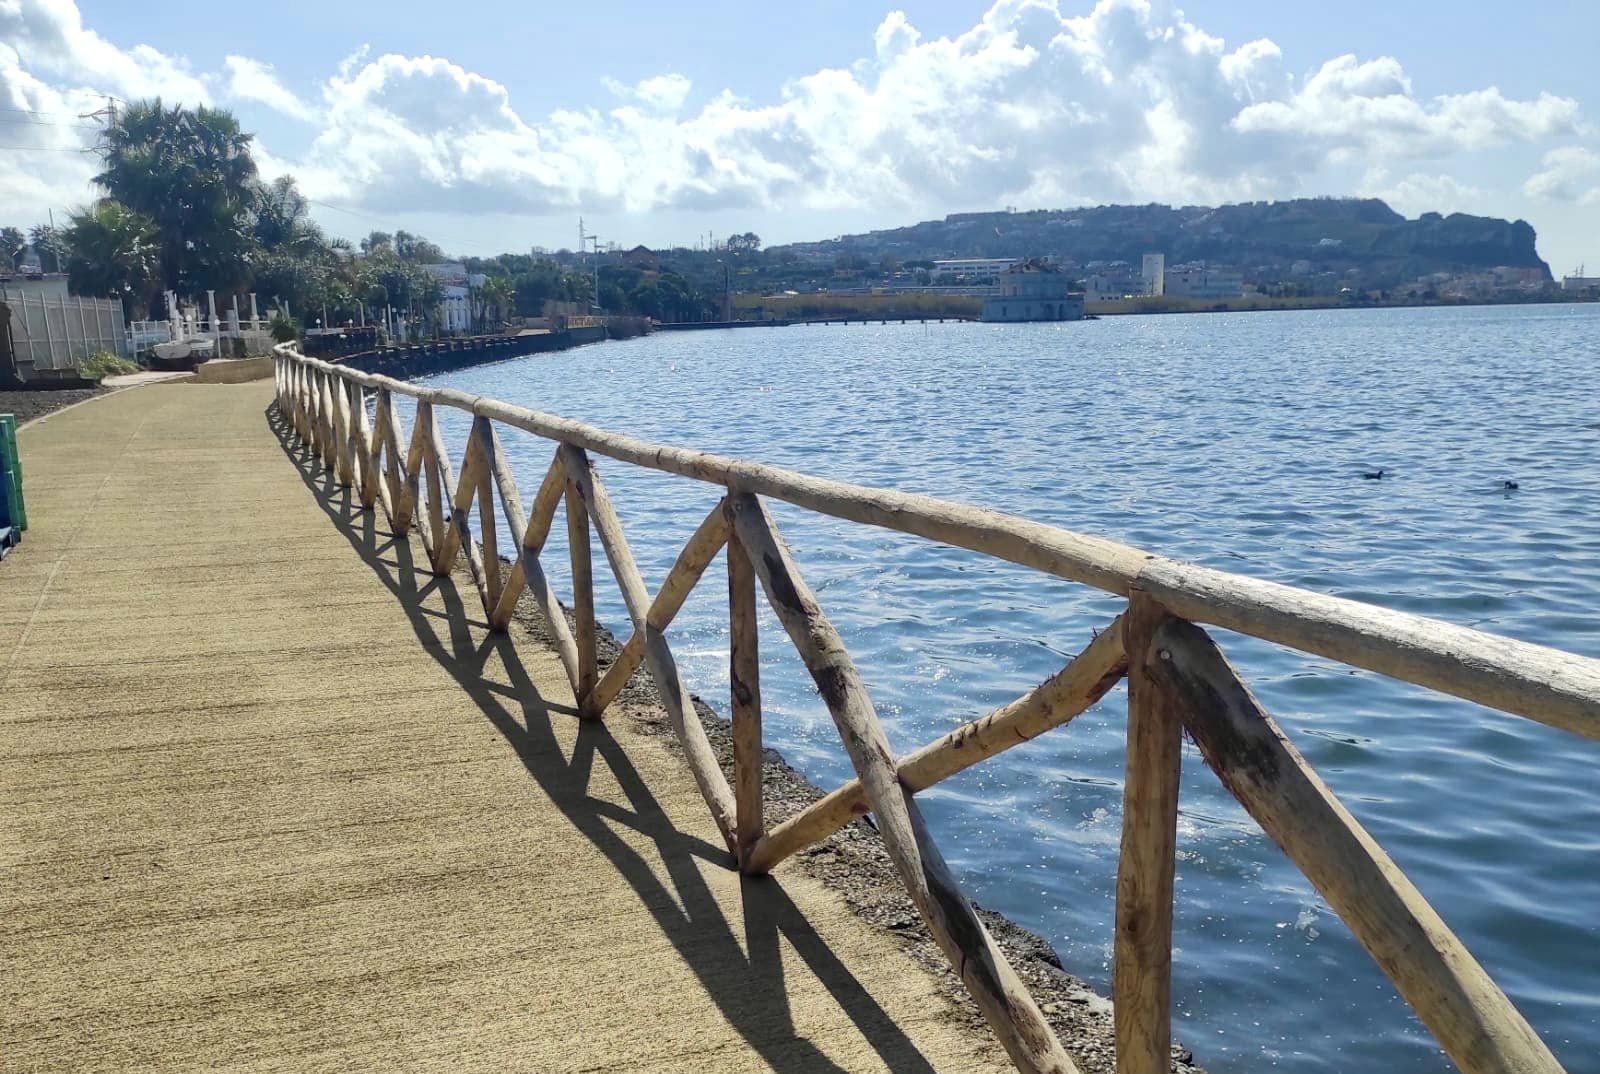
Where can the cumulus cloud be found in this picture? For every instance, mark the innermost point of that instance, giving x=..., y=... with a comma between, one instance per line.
x=1420, y=192
x=50, y=36
x=252, y=80
x=1348, y=103
x=1571, y=173
x=1128, y=101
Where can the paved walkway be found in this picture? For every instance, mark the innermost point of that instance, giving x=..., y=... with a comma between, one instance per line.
x=266, y=806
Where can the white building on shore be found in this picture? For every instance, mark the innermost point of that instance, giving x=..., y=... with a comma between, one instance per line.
x=1033, y=290
x=1155, y=274
x=971, y=269
x=1199, y=280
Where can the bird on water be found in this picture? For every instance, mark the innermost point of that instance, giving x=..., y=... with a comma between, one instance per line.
x=1372, y=475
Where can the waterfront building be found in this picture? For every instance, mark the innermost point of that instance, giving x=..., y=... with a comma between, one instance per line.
x=1155, y=274
x=971, y=269
x=1107, y=281
x=1033, y=290
x=455, y=303
x=1580, y=283
x=1199, y=280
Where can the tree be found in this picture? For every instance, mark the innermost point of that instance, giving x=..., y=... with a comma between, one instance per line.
x=280, y=218
x=377, y=240
x=112, y=252
x=497, y=295
x=12, y=240
x=747, y=243
x=190, y=172
x=48, y=247
x=416, y=248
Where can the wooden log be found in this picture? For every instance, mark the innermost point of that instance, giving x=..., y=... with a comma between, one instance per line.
x=1541, y=683
x=457, y=540
x=339, y=399
x=402, y=481
x=657, y=653
x=582, y=598
x=532, y=534
x=1060, y=698
x=488, y=531
x=1547, y=685
x=703, y=546
x=994, y=985
x=1081, y=558
x=433, y=534
x=530, y=541
x=1141, y=976
x=1469, y=1016
x=366, y=471
x=744, y=682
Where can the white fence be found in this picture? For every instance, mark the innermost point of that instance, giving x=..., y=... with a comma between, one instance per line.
x=55, y=334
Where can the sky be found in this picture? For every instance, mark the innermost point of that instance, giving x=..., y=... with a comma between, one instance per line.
x=495, y=125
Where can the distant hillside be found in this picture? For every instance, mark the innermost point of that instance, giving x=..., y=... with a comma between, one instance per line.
x=1264, y=239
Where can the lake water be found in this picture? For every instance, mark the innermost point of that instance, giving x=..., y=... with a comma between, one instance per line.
x=1234, y=440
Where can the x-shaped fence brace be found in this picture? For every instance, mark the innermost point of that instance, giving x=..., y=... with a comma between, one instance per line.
x=1179, y=682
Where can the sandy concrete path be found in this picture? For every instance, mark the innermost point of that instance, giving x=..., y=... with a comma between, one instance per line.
x=270, y=800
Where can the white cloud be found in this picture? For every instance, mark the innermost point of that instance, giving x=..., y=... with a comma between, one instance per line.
x=1128, y=102
x=50, y=36
x=1571, y=173
x=663, y=93
x=1348, y=103
x=252, y=80
x=1420, y=192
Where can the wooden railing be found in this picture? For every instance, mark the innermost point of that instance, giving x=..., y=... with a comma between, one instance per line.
x=1178, y=681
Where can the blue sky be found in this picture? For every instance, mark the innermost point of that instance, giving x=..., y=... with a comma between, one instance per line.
x=496, y=125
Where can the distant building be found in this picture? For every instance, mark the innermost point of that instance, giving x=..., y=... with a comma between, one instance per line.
x=640, y=257
x=1107, y=281
x=972, y=269
x=1199, y=280
x=1033, y=291
x=1580, y=283
x=455, y=303
x=1155, y=274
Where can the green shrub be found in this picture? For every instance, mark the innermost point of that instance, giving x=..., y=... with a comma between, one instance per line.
x=283, y=329
x=105, y=364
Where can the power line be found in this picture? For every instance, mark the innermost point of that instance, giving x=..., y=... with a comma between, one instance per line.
x=453, y=240
x=49, y=123
x=45, y=149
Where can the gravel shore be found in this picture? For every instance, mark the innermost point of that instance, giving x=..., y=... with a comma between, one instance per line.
x=854, y=863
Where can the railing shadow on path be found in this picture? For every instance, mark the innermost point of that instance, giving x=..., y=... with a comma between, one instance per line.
x=753, y=999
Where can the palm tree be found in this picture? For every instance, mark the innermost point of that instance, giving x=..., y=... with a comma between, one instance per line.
x=497, y=294
x=191, y=173
x=112, y=252
x=280, y=218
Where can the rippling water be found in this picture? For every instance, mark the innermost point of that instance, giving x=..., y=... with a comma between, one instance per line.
x=1235, y=440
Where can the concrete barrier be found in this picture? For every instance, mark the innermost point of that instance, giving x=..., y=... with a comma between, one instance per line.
x=233, y=370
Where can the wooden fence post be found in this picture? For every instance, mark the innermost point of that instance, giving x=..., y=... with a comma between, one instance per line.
x=744, y=681
x=1141, y=978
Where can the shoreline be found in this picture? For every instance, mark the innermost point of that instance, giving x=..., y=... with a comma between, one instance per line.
x=854, y=864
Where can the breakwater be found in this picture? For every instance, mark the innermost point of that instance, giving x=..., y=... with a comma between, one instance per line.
x=444, y=355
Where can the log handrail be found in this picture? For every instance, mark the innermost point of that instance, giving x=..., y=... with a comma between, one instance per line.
x=1178, y=682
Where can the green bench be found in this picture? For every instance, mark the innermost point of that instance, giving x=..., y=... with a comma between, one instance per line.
x=13, y=516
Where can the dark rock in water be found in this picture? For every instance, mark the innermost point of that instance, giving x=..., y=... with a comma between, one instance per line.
x=1372, y=475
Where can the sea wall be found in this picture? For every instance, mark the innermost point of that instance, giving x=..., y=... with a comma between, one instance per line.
x=444, y=355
